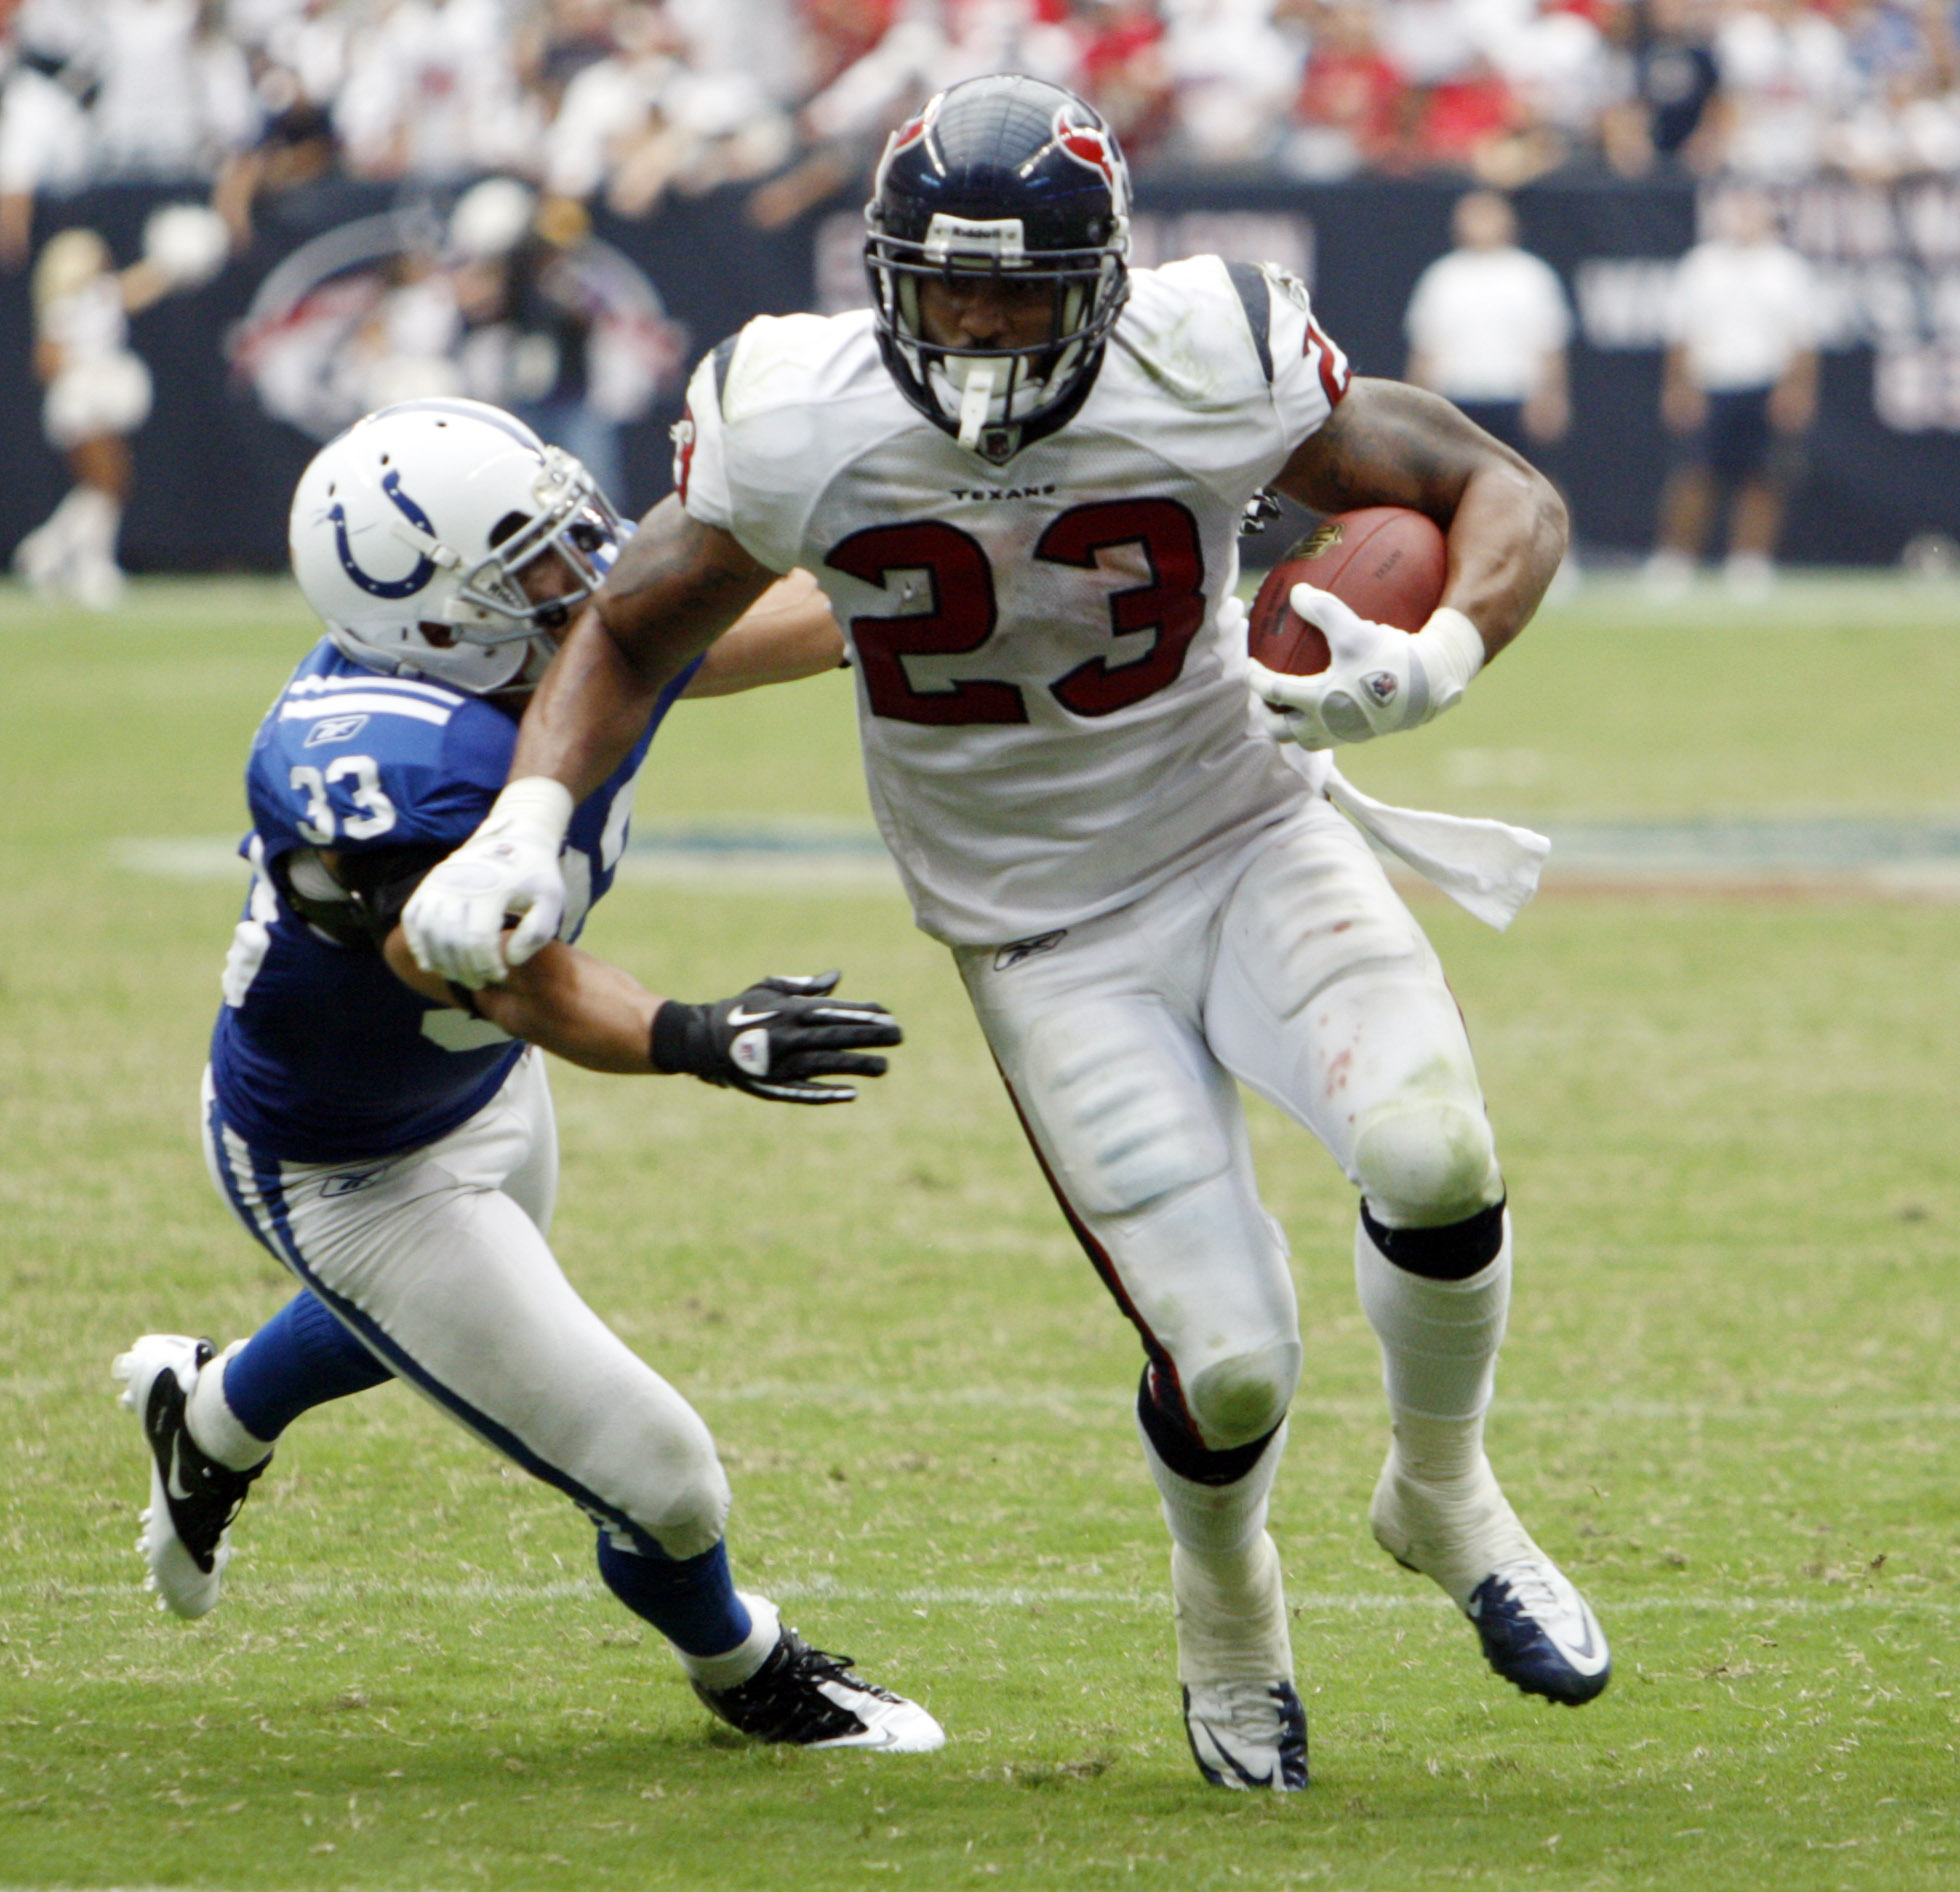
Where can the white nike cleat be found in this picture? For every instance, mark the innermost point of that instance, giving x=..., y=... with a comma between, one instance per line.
x=193, y=1499
x=1248, y=1735
x=805, y=1698
x=1537, y=1630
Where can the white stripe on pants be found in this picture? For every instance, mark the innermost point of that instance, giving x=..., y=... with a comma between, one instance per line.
x=437, y=1259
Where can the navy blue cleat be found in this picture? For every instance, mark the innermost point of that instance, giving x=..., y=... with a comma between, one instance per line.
x=1539, y=1632
x=1248, y=1735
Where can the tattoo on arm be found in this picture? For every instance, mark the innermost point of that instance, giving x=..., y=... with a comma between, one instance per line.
x=1387, y=444
x=675, y=588
x=1391, y=445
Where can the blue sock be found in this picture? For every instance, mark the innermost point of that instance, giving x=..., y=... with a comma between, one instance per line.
x=302, y=1357
x=690, y=1600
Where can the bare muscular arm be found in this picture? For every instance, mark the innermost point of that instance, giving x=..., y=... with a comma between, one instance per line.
x=579, y=1008
x=787, y=634
x=677, y=586
x=1392, y=445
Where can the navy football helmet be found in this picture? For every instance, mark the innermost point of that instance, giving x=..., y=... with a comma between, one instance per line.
x=1008, y=176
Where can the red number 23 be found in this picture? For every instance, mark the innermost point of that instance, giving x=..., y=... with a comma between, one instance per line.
x=962, y=613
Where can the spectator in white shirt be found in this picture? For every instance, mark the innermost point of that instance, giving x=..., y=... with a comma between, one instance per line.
x=176, y=92
x=1738, y=392
x=1488, y=327
x=45, y=140
x=1785, y=79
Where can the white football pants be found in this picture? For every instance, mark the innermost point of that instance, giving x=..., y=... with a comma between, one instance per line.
x=437, y=1260
x=1292, y=966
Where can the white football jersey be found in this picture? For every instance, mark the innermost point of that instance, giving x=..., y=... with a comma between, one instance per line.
x=1052, y=725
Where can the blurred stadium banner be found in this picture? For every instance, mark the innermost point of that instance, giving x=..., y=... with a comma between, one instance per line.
x=252, y=369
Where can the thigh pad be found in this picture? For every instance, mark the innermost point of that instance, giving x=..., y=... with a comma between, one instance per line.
x=1125, y=1101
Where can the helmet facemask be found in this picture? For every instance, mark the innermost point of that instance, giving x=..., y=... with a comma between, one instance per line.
x=991, y=398
x=490, y=604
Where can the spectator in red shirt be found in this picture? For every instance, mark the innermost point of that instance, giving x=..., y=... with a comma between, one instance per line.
x=1352, y=103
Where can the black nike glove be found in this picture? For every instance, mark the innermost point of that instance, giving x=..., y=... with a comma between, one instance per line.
x=774, y=1039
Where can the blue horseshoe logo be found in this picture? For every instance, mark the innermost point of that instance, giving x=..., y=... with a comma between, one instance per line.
x=425, y=567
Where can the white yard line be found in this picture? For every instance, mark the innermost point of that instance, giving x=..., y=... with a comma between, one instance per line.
x=1116, y=1397
x=1904, y=859
x=250, y=1596
x=982, y=1395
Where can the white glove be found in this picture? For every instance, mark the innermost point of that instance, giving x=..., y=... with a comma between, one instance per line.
x=455, y=922
x=1378, y=680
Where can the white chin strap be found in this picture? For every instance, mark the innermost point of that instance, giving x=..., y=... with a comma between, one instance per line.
x=976, y=400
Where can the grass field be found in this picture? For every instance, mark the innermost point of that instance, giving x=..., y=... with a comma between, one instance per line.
x=1727, y=1403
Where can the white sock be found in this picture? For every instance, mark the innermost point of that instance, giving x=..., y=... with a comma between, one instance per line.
x=95, y=519
x=57, y=531
x=1231, y=1613
x=1439, y=1342
x=1226, y=1583
x=1216, y=1518
x=214, y=1428
x=734, y=1666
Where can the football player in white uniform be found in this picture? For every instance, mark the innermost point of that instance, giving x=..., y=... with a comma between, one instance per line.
x=1019, y=479
x=389, y=1138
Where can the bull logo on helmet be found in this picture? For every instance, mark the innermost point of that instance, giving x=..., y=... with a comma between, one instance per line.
x=908, y=134
x=1090, y=145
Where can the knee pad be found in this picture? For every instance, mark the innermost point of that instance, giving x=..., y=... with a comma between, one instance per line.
x=1239, y=1398
x=678, y=1495
x=1423, y=1162
x=694, y=1515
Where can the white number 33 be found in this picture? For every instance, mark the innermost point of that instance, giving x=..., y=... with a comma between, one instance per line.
x=377, y=812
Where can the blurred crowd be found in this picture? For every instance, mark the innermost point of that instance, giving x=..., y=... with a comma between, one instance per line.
x=623, y=100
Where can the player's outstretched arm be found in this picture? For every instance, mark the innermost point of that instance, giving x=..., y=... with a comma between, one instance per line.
x=1388, y=444
x=675, y=588
x=787, y=634
x=775, y=1040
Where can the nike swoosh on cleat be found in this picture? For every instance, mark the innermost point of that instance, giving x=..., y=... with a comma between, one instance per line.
x=174, y=1484
x=1237, y=1766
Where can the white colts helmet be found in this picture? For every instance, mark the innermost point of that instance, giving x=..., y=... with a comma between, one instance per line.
x=411, y=533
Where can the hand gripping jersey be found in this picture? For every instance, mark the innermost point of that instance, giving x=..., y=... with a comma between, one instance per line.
x=321, y=1055
x=1052, y=726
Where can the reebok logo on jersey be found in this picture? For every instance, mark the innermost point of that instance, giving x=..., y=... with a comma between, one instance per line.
x=1011, y=955
x=1004, y=492
x=348, y=1182
x=334, y=729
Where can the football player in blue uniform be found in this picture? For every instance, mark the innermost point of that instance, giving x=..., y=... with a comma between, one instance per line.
x=389, y=1137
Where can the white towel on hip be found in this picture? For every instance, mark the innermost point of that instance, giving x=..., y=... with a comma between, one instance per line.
x=1489, y=868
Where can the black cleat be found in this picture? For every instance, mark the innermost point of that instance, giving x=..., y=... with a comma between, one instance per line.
x=193, y=1499
x=806, y=1698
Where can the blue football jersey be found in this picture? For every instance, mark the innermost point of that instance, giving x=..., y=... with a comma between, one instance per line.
x=320, y=1054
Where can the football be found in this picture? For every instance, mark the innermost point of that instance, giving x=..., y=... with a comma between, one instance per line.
x=1385, y=562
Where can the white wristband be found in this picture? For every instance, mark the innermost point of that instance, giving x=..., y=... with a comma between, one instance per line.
x=537, y=801
x=1451, y=650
